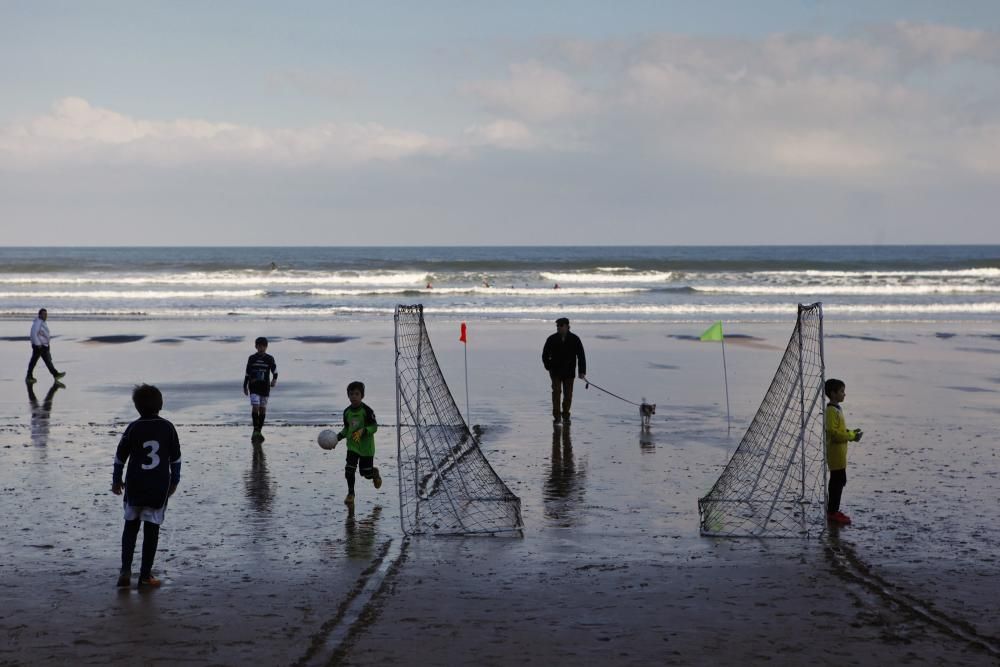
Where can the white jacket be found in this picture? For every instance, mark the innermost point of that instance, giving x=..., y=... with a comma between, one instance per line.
x=39, y=332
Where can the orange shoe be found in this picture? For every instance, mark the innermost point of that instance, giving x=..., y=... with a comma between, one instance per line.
x=150, y=581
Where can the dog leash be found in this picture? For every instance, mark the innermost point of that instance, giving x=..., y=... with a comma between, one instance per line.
x=590, y=384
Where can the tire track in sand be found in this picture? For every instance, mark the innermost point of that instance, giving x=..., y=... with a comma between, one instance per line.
x=333, y=640
x=849, y=566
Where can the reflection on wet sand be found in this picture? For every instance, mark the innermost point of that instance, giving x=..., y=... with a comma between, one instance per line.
x=564, y=487
x=646, y=442
x=360, y=534
x=257, y=480
x=40, y=414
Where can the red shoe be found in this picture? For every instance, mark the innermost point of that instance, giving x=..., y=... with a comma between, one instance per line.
x=838, y=518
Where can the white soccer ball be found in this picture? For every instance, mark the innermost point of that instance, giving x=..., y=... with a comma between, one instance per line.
x=327, y=438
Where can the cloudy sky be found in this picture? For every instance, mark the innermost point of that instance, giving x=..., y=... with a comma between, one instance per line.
x=466, y=122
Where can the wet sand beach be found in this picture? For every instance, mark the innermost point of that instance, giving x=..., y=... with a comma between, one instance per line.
x=262, y=561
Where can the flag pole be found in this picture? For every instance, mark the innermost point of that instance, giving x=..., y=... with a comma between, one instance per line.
x=467, y=386
x=714, y=333
x=465, y=347
x=725, y=377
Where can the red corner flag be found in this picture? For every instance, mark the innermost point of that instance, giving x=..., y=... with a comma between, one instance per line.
x=461, y=338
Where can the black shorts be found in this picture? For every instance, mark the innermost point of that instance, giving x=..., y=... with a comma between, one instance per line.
x=355, y=460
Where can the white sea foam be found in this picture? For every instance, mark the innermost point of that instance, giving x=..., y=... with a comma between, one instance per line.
x=746, y=308
x=609, y=276
x=533, y=292
x=251, y=278
x=730, y=311
x=852, y=290
x=135, y=294
x=943, y=273
x=607, y=289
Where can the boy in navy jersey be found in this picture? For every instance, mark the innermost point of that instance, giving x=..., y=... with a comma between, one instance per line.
x=261, y=375
x=152, y=450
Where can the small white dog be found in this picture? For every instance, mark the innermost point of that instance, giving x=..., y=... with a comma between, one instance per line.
x=646, y=411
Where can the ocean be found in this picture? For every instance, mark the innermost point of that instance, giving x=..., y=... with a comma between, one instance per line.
x=518, y=283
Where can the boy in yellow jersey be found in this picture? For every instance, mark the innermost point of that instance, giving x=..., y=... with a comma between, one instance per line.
x=837, y=437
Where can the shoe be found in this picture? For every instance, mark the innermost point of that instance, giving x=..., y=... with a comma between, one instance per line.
x=58, y=385
x=30, y=380
x=349, y=500
x=256, y=435
x=377, y=480
x=59, y=375
x=838, y=518
x=150, y=581
x=124, y=579
x=565, y=418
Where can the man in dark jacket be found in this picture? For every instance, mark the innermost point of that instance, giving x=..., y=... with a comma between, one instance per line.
x=560, y=355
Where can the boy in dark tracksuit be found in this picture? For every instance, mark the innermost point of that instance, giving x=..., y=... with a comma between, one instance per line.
x=152, y=450
x=261, y=376
x=359, y=430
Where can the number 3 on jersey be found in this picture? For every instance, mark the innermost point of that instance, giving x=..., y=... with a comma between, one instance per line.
x=152, y=447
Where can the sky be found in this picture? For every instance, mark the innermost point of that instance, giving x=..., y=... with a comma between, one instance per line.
x=499, y=123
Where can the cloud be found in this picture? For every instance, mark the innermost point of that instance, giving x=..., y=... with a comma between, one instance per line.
x=533, y=92
x=888, y=107
x=898, y=105
x=502, y=133
x=77, y=132
x=943, y=43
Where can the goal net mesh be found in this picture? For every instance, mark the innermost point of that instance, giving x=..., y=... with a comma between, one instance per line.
x=446, y=485
x=774, y=484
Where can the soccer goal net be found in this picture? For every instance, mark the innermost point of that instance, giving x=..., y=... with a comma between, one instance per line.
x=446, y=485
x=774, y=484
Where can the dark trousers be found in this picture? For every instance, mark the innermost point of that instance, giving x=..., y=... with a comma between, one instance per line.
x=150, y=539
x=41, y=352
x=838, y=480
x=562, y=386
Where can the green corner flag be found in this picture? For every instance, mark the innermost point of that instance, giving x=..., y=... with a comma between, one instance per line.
x=714, y=332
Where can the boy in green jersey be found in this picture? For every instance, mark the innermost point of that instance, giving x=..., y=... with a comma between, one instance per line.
x=359, y=430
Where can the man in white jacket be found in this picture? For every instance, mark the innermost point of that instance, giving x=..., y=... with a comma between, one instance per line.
x=40, y=347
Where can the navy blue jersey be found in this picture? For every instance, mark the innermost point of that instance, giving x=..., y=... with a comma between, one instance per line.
x=152, y=450
x=260, y=368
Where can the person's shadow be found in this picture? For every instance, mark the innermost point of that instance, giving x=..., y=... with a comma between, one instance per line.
x=40, y=413
x=360, y=534
x=564, y=485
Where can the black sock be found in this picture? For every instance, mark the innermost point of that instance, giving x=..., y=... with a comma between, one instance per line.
x=150, y=538
x=129, y=535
